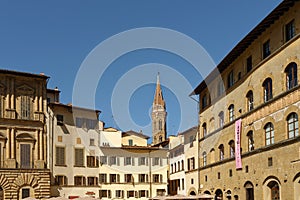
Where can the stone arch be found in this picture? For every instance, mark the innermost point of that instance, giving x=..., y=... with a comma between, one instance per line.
x=296, y=182
x=290, y=109
x=207, y=192
x=271, y=186
x=219, y=194
x=249, y=190
x=4, y=182
x=192, y=191
x=25, y=179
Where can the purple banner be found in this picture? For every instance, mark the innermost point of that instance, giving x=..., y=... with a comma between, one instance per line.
x=238, y=158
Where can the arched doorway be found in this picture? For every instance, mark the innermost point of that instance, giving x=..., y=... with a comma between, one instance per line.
x=275, y=191
x=249, y=190
x=296, y=181
x=228, y=194
x=1, y=193
x=207, y=192
x=218, y=194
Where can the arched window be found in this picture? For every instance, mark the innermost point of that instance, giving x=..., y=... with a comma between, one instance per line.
x=231, y=148
x=269, y=132
x=221, y=152
x=220, y=87
x=267, y=85
x=212, y=156
x=178, y=164
x=250, y=141
x=182, y=165
x=292, y=125
x=249, y=97
x=160, y=138
x=204, y=159
x=221, y=119
x=230, y=79
x=204, y=129
x=275, y=191
x=231, y=112
x=291, y=76
x=175, y=169
x=249, y=190
x=160, y=125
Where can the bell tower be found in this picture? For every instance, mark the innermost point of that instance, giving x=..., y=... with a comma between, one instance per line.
x=159, y=115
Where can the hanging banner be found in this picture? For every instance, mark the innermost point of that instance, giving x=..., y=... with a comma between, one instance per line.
x=238, y=158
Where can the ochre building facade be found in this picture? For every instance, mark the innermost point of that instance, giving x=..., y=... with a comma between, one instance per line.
x=258, y=83
x=23, y=152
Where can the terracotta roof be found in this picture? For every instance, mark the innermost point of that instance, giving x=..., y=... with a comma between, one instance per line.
x=131, y=132
x=195, y=128
x=246, y=42
x=71, y=106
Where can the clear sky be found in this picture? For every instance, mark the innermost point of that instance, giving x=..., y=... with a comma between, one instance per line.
x=55, y=37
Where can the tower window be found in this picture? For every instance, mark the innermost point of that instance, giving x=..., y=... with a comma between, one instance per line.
x=266, y=49
x=291, y=76
x=267, y=85
x=290, y=30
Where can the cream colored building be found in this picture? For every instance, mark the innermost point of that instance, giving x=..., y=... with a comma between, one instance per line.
x=132, y=170
x=258, y=83
x=74, y=135
x=23, y=136
x=177, y=183
x=191, y=161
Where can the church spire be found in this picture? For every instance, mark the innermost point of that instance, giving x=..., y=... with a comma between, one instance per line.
x=158, y=98
x=159, y=115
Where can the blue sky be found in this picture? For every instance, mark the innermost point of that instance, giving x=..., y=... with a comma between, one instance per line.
x=55, y=37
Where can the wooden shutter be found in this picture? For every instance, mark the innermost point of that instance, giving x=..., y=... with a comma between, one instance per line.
x=132, y=161
x=79, y=157
x=146, y=178
x=160, y=178
x=136, y=194
x=25, y=155
x=118, y=161
x=160, y=161
x=146, y=159
x=109, y=194
x=118, y=178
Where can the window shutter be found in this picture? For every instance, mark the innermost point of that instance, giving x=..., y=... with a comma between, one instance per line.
x=125, y=161
x=25, y=155
x=79, y=157
x=147, y=193
x=146, y=161
x=146, y=177
x=118, y=178
x=127, y=194
x=153, y=161
x=122, y=193
x=160, y=178
x=140, y=193
x=136, y=194
x=160, y=161
x=132, y=161
x=118, y=161
x=109, y=193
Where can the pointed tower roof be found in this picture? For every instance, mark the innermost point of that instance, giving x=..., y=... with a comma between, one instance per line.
x=158, y=98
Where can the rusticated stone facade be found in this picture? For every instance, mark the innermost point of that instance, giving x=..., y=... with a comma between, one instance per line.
x=23, y=138
x=258, y=82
